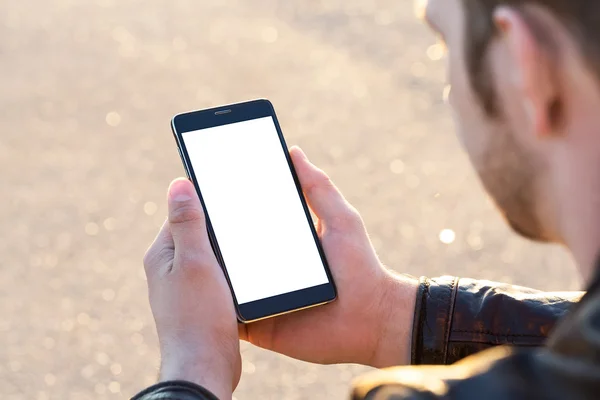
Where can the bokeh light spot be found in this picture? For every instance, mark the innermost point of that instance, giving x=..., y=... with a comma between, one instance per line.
x=447, y=236
x=113, y=119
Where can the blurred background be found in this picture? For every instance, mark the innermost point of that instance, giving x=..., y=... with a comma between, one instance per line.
x=87, y=90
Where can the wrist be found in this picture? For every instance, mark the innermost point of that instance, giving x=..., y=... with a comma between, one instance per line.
x=211, y=372
x=394, y=339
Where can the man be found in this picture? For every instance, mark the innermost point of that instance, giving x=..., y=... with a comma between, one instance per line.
x=526, y=92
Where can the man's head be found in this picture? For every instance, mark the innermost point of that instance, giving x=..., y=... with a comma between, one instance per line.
x=525, y=78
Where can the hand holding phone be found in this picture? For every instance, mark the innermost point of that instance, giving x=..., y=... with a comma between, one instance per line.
x=190, y=299
x=371, y=321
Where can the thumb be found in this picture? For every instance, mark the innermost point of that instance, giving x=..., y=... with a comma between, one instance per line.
x=323, y=197
x=186, y=221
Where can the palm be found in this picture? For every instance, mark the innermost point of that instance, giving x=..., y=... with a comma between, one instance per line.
x=316, y=334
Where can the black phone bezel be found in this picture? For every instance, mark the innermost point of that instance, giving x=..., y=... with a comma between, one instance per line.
x=229, y=114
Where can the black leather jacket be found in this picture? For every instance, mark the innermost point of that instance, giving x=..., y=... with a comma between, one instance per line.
x=456, y=318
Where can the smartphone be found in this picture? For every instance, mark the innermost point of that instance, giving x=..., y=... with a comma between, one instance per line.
x=258, y=221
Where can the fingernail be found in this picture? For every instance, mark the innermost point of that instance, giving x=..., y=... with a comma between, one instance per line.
x=180, y=191
x=181, y=197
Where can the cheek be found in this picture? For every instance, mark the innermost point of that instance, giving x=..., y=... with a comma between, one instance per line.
x=467, y=119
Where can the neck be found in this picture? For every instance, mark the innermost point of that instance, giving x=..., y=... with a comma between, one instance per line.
x=578, y=192
x=576, y=170
x=586, y=255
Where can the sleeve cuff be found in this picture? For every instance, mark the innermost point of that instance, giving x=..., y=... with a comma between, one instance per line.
x=434, y=309
x=175, y=390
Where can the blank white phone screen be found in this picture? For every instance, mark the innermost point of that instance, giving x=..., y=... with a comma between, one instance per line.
x=254, y=207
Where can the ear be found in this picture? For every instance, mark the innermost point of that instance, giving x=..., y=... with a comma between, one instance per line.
x=531, y=68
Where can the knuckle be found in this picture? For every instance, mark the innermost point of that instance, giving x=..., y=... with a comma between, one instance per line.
x=196, y=261
x=156, y=259
x=325, y=181
x=149, y=259
x=185, y=213
x=352, y=217
x=320, y=182
x=349, y=219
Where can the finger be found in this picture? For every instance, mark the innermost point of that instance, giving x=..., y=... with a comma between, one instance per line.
x=323, y=197
x=186, y=222
x=164, y=237
x=161, y=251
x=242, y=331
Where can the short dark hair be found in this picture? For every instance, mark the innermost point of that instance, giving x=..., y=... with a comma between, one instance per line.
x=580, y=17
